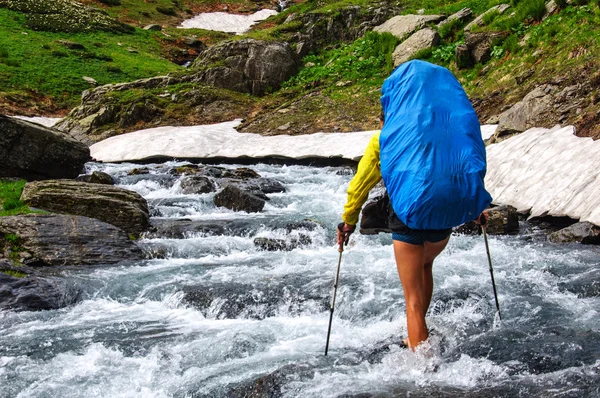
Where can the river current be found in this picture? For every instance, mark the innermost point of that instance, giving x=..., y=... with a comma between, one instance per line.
x=215, y=314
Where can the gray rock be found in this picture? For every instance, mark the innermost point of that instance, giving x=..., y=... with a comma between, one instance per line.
x=581, y=232
x=461, y=15
x=527, y=113
x=33, y=293
x=424, y=38
x=501, y=8
x=197, y=185
x=72, y=45
x=247, y=65
x=480, y=44
x=97, y=177
x=464, y=59
x=65, y=16
x=154, y=27
x=117, y=206
x=56, y=240
x=551, y=8
x=184, y=228
x=194, y=42
x=502, y=220
x=403, y=25
x=34, y=152
x=237, y=199
x=273, y=244
x=90, y=80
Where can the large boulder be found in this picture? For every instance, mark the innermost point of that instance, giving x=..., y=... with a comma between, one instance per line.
x=117, y=206
x=347, y=24
x=237, y=199
x=248, y=65
x=480, y=44
x=65, y=16
x=56, y=240
x=34, y=152
x=479, y=21
x=581, y=232
x=527, y=113
x=421, y=40
x=104, y=112
x=404, y=25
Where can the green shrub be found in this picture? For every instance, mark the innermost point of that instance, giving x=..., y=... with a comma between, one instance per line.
x=489, y=17
x=511, y=44
x=534, y=9
x=445, y=53
x=167, y=10
x=3, y=53
x=561, y=3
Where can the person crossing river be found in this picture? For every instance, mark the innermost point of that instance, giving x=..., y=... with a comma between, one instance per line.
x=432, y=159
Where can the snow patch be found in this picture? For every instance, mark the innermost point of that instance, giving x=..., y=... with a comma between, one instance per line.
x=224, y=22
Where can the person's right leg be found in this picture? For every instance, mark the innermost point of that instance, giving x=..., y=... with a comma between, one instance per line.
x=414, y=263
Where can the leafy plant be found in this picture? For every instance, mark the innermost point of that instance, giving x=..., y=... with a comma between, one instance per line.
x=497, y=51
x=445, y=53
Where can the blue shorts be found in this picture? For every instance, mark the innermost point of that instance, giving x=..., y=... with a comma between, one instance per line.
x=420, y=236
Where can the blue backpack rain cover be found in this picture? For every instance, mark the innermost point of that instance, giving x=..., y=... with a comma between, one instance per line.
x=433, y=159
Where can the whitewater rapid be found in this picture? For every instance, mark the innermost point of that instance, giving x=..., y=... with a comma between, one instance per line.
x=216, y=313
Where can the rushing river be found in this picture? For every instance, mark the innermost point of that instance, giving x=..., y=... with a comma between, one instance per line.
x=215, y=314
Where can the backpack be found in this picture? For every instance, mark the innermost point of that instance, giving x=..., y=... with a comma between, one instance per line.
x=433, y=159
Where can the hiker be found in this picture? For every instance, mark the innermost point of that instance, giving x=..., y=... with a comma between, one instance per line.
x=431, y=157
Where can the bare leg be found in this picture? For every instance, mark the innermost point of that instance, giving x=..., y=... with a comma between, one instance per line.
x=414, y=264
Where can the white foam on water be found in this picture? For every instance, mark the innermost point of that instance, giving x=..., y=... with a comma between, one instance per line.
x=137, y=335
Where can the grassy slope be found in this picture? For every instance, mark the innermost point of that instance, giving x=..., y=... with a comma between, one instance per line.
x=34, y=65
x=563, y=47
x=327, y=91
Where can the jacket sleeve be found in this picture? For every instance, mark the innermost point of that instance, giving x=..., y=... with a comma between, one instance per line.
x=366, y=177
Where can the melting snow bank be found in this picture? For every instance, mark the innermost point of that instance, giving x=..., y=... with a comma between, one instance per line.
x=224, y=22
x=547, y=172
x=222, y=141
x=44, y=121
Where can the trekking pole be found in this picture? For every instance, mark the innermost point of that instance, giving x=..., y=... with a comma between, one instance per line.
x=487, y=249
x=335, y=285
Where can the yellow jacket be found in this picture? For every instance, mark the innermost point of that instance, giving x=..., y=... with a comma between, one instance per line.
x=367, y=176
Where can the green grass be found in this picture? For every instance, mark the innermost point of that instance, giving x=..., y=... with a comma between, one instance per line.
x=36, y=63
x=10, y=204
x=366, y=61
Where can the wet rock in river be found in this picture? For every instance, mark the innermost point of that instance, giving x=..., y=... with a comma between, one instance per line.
x=197, y=185
x=254, y=301
x=117, y=206
x=184, y=228
x=581, y=232
x=502, y=220
x=273, y=244
x=236, y=199
x=97, y=177
x=31, y=293
x=55, y=240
